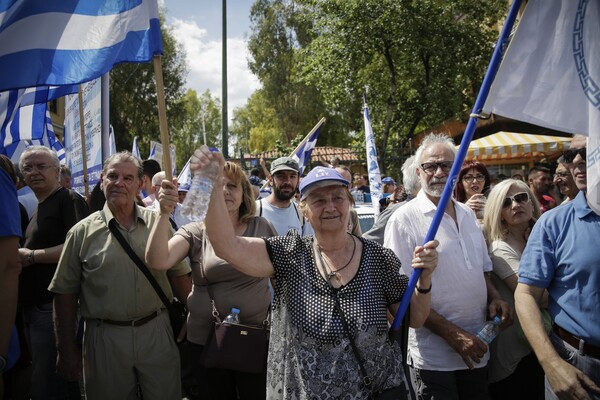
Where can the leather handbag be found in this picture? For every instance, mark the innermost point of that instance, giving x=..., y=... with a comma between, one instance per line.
x=235, y=347
x=177, y=310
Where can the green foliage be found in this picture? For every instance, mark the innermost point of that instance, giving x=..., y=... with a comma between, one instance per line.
x=133, y=104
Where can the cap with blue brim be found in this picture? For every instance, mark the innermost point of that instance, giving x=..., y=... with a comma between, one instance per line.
x=320, y=177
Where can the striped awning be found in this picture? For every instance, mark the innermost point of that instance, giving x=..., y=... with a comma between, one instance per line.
x=512, y=145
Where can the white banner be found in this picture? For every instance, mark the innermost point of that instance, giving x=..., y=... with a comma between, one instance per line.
x=93, y=135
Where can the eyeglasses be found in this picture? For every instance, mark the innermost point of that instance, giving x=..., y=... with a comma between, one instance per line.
x=570, y=154
x=521, y=197
x=28, y=169
x=469, y=178
x=562, y=175
x=432, y=167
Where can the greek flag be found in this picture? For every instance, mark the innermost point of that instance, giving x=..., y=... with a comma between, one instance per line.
x=135, y=150
x=372, y=164
x=112, y=144
x=304, y=150
x=68, y=42
x=550, y=75
x=184, y=179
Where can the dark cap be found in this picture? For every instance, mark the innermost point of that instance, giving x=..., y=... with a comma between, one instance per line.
x=283, y=164
x=320, y=177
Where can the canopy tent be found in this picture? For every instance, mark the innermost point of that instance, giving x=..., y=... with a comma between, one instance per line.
x=516, y=148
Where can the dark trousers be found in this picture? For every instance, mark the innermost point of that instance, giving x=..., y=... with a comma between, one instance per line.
x=526, y=383
x=223, y=384
x=465, y=384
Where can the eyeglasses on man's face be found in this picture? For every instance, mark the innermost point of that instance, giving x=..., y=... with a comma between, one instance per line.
x=28, y=168
x=562, y=175
x=521, y=197
x=431, y=167
x=570, y=154
x=469, y=178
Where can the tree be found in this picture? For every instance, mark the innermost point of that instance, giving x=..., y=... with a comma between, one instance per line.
x=422, y=61
x=133, y=104
x=189, y=135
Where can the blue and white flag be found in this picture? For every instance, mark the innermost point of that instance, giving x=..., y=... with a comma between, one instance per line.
x=372, y=163
x=69, y=42
x=135, y=150
x=550, y=75
x=304, y=150
x=112, y=144
x=185, y=176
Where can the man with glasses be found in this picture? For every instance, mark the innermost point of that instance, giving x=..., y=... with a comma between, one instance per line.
x=57, y=211
x=539, y=183
x=562, y=257
x=279, y=208
x=446, y=359
x=563, y=180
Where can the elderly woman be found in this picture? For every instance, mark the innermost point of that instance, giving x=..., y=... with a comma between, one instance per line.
x=214, y=276
x=510, y=213
x=473, y=181
x=324, y=284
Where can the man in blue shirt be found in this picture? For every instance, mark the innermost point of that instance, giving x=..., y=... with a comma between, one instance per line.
x=562, y=257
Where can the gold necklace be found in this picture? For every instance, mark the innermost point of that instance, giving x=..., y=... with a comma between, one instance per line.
x=334, y=273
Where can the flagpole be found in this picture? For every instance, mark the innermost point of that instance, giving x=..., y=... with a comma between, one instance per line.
x=162, y=117
x=86, y=189
x=462, y=152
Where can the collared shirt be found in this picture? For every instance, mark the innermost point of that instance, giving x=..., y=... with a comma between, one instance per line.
x=95, y=266
x=459, y=291
x=562, y=256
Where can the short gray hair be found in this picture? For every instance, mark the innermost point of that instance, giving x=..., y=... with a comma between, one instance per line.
x=124, y=156
x=39, y=149
x=430, y=140
x=410, y=180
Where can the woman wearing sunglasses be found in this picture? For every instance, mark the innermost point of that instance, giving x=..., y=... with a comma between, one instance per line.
x=510, y=213
x=473, y=181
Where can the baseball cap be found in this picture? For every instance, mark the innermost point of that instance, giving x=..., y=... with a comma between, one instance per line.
x=284, y=163
x=184, y=188
x=388, y=180
x=320, y=177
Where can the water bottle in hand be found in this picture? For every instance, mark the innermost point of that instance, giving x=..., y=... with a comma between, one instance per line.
x=233, y=318
x=196, y=201
x=490, y=330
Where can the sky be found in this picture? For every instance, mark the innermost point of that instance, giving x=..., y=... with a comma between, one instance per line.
x=197, y=25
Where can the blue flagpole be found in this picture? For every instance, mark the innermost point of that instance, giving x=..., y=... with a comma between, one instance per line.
x=462, y=152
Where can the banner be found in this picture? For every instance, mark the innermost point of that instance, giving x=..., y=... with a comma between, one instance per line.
x=93, y=135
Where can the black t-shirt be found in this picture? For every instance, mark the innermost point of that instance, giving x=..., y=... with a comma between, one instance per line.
x=48, y=227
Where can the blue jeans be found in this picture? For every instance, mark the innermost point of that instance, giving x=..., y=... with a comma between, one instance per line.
x=586, y=364
x=39, y=333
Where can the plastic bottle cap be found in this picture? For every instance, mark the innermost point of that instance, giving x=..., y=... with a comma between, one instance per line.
x=497, y=320
x=235, y=310
x=213, y=149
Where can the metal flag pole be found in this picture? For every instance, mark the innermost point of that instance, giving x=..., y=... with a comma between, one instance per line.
x=462, y=152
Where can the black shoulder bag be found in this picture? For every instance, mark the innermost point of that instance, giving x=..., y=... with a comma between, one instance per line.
x=177, y=310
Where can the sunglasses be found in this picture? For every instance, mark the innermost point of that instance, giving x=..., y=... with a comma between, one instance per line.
x=570, y=154
x=432, y=167
x=521, y=197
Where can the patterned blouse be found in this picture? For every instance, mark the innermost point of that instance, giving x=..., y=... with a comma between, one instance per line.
x=310, y=356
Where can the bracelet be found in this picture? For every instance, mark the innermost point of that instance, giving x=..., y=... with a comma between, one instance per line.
x=31, y=257
x=424, y=291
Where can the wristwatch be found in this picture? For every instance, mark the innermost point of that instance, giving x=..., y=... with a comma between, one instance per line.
x=3, y=362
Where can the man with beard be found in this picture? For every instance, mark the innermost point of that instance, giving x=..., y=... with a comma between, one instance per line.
x=446, y=358
x=279, y=208
x=539, y=183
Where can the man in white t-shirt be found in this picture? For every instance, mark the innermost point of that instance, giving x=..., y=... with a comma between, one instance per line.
x=279, y=207
x=446, y=358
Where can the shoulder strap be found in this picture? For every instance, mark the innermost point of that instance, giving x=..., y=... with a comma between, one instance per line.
x=112, y=225
x=300, y=217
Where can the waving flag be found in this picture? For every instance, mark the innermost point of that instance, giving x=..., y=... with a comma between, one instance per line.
x=184, y=179
x=135, y=150
x=112, y=144
x=304, y=150
x=372, y=164
x=550, y=75
x=72, y=41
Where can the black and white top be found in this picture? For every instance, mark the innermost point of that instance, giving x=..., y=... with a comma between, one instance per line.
x=310, y=355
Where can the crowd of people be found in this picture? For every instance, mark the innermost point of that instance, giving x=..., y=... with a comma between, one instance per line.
x=76, y=278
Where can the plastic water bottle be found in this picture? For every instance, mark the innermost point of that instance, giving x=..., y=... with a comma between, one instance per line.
x=490, y=330
x=233, y=318
x=196, y=201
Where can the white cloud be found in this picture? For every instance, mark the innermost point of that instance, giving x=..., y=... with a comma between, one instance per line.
x=204, y=64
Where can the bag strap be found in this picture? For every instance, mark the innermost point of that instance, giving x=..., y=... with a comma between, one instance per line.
x=367, y=381
x=112, y=225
